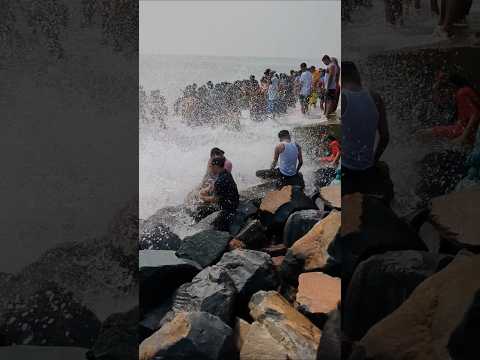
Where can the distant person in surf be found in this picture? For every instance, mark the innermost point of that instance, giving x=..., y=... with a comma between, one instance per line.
x=363, y=118
x=306, y=80
x=467, y=116
x=330, y=85
x=288, y=156
x=223, y=193
x=273, y=97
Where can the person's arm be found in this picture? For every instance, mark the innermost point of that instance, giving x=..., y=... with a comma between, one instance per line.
x=330, y=77
x=278, y=149
x=383, y=132
x=300, y=158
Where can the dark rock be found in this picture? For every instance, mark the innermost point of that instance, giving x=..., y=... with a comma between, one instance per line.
x=50, y=317
x=369, y=227
x=161, y=273
x=331, y=340
x=245, y=211
x=159, y=238
x=324, y=176
x=207, y=223
x=250, y=271
x=464, y=339
x=299, y=223
x=440, y=172
x=197, y=335
x=21, y=352
x=277, y=206
x=118, y=338
x=168, y=216
x=211, y=290
x=201, y=211
x=430, y=237
x=421, y=327
x=382, y=283
x=151, y=321
x=205, y=247
x=257, y=193
x=275, y=250
x=253, y=235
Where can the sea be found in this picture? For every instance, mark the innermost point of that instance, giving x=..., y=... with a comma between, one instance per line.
x=173, y=160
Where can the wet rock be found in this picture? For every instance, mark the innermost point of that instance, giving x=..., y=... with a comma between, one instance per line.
x=331, y=196
x=151, y=321
x=260, y=344
x=206, y=223
x=211, y=290
x=278, y=205
x=253, y=235
x=455, y=218
x=430, y=237
x=240, y=332
x=159, y=238
x=299, y=223
x=250, y=271
x=440, y=172
x=369, y=227
x=331, y=341
x=118, y=338
x=275, y=250
x=205, y=247
x=168, y=216
x=318, y=294
x=435, y=307
x=382, y=283
x=51, y=316
x=162, y=272
x=324, y=176
x=464, y=340
x=236, y=244
x=20, y=352
x=310, y=253
x=196, y=335
x=245, y=211
x=256, y=193
x=292, y=331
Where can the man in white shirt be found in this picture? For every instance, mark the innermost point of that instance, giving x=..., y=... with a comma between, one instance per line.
x=330, y=85
x=305, y=87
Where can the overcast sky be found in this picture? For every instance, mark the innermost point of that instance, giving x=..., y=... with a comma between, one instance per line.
x=241, y=28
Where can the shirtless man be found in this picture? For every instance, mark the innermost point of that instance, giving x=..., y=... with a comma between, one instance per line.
x=330, y=85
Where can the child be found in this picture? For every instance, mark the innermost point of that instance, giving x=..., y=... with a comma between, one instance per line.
x=334, y=149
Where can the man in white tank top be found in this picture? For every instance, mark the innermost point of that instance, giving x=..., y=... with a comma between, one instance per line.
x=363, y=117
x=288, y=156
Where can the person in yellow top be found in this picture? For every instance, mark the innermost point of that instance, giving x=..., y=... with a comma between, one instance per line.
x=315, y=81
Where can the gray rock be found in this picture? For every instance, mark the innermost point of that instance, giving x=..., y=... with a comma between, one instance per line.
x=205, y=247
x=159, y=238
x=253, y=235
x=299, y=223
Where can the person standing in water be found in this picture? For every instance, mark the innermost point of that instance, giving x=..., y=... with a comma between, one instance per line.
x=330, y=85
x=288, y=156
x=305, y=87
x=225, y=195
x=363, y=117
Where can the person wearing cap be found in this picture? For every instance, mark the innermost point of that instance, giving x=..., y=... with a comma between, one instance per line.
x=225, y=195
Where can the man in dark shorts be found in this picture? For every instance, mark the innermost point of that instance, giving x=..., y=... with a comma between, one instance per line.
x=225, y=195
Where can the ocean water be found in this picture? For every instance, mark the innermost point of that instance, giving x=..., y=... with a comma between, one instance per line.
x=173, y=161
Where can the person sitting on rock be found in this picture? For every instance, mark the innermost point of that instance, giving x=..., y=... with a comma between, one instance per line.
x=288, y=156
x=363, y=117
x=334, y=149
x=463, y=131
x=224, y=194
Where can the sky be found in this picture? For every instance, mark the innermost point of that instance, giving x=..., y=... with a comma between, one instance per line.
x=241, y=28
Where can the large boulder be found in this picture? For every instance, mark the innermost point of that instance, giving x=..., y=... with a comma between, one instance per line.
x=421, y=327
x=369, y=227
x=211, y=290
x=464, y=340
x=50, y=317
x=256, y=193
x=205, y=247
x=299, y=223
x=118, y=338
x=245, y=211
x=260, y=344
x=159, y=237
x=331, y=341
x=170, y=216
x=240, y=332
x=318, y=294
x=290, y=333
x=331, y=196
x=278, y=205
x=310, y=253
x=455, y=218
x=161, y=273
x=196, y=335
x=440, y=172
x=253, y=235
x=382, y=283
x=250, y=271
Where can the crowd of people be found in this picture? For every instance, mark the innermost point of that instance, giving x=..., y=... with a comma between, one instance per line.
x=272, y=96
